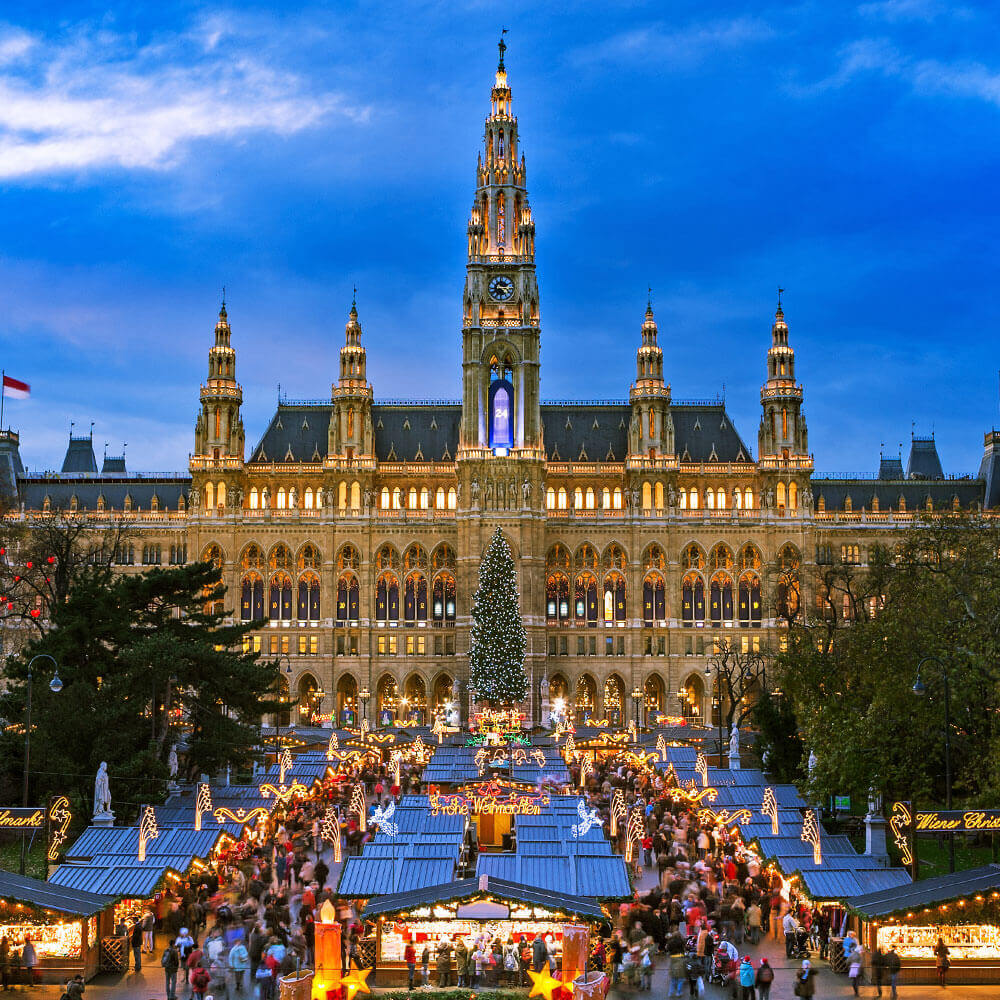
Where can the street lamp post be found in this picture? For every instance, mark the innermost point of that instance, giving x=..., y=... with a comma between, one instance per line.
x=363, y=695
x=55, y=686
x=920, y=689
x=636, y=700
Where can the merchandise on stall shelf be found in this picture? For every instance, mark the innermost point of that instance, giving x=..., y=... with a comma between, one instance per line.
x=965, y=941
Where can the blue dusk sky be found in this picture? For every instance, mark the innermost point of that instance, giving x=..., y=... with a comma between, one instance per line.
x=152, y=153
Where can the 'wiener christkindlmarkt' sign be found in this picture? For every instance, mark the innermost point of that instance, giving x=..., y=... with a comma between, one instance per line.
x=22, y=818
x=956, y=820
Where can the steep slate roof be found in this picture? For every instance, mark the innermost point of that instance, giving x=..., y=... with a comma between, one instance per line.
x=80, y=455
x=890, y=467
x=428, y=432
x=168, y=491
x=834, y=493
x=923, y=462
x=113, y=466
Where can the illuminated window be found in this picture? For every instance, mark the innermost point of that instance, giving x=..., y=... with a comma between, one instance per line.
x=562, y=497
x=397, y=498
x=384, y=498
x=748, y=499
x=606, y=498
x=659, y=496
x=550, y=499
x=309, y=497
x=439, y=498
x=693, y=499
x=578, y=499
x=617, y=499
x=282, y=499
x=411, y=501
x=684, y=498
x=254, y=499
x=452, y=498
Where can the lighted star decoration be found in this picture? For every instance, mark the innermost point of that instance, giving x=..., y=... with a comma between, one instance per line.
x=356, y=982
x=701, y=766
x=439, y=729
x=724, y=816
x=810, y=835
x=284, y=793
x=202, y=803
x=586, y=766
x=661, y=748
x=899, y=824
x=358, y=806
x=543, y=984
x=284, y=764
x=769, y=807
x=332, y=746
x=570, y=749
x=382, y=818
x=240, y=815
x=330, y=830
x=147, y=830
x=633, y=833
x=617, y=810
x=59, y=819
x=589, y=818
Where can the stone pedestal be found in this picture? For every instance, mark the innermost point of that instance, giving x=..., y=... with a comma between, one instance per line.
x=875, y=842
x=103, y=819
x=734, y=761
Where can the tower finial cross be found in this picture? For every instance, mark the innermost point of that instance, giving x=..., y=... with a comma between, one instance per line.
x=354, y=301
x=780, y=290
x=649, y=296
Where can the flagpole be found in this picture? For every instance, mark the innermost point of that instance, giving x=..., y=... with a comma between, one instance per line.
x=3, y=374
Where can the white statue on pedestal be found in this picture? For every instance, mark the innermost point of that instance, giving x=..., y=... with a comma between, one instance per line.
x=103, y=816
x=734, y=748
x=546, y=705
x=172, y=767
x=811, y=765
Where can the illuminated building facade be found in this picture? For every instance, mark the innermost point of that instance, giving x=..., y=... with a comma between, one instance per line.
x=644, y=529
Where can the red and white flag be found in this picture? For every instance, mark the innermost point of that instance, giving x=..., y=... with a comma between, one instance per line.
x=15, y=389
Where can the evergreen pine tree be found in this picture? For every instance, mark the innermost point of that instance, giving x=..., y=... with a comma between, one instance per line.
x=497, y=641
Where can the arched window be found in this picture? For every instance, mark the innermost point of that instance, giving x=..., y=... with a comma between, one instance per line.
x=452, y=498
x=720, y=599
x=209, y=496
x=693, y=499
x=614, y=698
x=606, y=498
x=550, y=499
x=252, y=598
x=616, y=500
x=282, y=501
x=659, y=496
x=683, y=494
x=788, y=590
x=710, y=499
x=220, y=495
x=355, y=496
x=562, y=498
x=793, y=496
x=749, y=607
x=307, y=498
x=556, y=599
x=693, y=600
x=397, y=498
x=780, y=495
x=501, y=408
x=720, y=499
x=308, y=603
x=748, y=499
x=439, y=498
x=280, y=598
x=750, y=557
x=415, y=599
x=585, y=609
x=721, y=557
x=254, y=498
x=589, y=498
x=614, y=598
x=411, y=501
x=693, y=557
x=693, y=694
x=387, y=598
x=647, y=496
x=654, y=599
x=414, y=557
x=578, y=499
x=342, y=495
x=350, y=421
x=384, y=498
x=444, y=599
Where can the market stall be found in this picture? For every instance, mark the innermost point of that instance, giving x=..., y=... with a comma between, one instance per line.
x=963, y=910
x=470, y=910
x=64, y=926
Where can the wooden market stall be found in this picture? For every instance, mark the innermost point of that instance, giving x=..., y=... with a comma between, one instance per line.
x=65, y=925
x=962, y=909
x=470, y=908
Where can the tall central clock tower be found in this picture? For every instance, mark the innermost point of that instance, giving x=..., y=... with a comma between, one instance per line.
x=500, y=329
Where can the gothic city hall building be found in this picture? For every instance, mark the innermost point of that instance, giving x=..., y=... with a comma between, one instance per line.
x=645, y=531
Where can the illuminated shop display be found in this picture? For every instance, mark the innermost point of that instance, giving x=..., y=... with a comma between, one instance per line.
x=50, y=940
x=964, y=941
x=395, y=935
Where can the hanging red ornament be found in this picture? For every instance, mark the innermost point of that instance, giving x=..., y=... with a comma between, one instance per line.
x=28, y=565
x=10, y=607
x=52, y=559
x=16, y=578
x=35, y=612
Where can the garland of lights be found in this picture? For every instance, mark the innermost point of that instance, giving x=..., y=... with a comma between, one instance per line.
x=810, y=835
x=769, y=807
x=358, y=806
x=284, y=764
x=203, y=803
x=330, y=831
x=633, y=833
x=147, y=830
x=661, y=748
x=333, y=745
x=617, y=810
x=60, y=818
x=701, y=766
x=496, y=639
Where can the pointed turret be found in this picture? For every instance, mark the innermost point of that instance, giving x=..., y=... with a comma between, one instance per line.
x=350, y=435
x=783, y=439
x=219, y=440
x=652, y=431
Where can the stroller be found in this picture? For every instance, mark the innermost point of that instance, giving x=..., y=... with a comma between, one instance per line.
x=721, y=969
x=801, y=947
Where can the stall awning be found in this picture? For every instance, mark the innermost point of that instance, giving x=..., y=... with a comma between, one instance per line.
x=471, y=887
x=32, y=892
x=927, y=892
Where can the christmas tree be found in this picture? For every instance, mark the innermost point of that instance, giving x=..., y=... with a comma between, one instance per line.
x=497, y=643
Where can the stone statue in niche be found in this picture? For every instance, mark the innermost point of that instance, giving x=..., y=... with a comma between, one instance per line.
x=474, y=489
x=526, y=490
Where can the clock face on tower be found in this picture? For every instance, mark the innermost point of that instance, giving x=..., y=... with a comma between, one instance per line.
x=501, y=287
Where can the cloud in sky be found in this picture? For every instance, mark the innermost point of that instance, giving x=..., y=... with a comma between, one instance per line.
x=95, y=99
